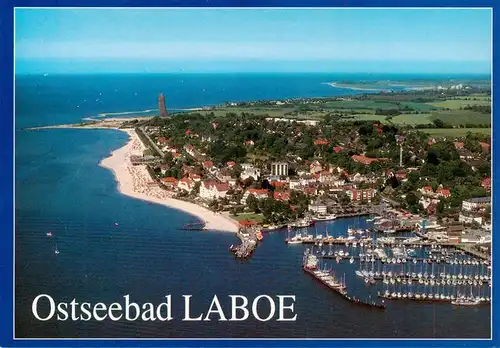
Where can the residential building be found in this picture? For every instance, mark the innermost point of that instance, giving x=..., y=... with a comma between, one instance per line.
x=257, y=193
x=186, y=184
x=475, y=204
x=361, y=194
x=169, y=182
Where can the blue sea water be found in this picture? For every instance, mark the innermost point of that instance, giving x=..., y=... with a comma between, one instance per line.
x=60, y=187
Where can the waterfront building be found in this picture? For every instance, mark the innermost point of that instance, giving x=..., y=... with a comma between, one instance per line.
x=169, y=182
x=213, y=190
x=475, y=204
x=279, y=168
x=186, y=184
x=361, y=194
x=317, y=208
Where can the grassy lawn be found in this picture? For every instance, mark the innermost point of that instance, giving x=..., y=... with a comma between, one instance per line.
x=457, y=117
x=455, y=132
x=459, y=103
x=259, y=218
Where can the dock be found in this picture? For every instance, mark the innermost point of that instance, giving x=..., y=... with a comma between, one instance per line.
x=309, y=266
x=194, y=226
x=424, y=297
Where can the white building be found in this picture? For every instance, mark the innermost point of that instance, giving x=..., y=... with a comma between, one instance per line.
x=475, y=203
x=213, y=190
x=257, y=193
x=279, y=168
x=250, y=172
x=317, y=208
x=469, y=219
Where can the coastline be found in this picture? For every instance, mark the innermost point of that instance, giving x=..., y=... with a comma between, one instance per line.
x=133, y=182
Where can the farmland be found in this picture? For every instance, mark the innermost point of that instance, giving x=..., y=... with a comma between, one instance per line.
x=455, y=132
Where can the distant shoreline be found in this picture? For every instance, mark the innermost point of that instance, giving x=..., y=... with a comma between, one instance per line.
x=354, y=88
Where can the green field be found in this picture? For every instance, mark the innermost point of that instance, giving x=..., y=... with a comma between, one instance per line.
x=259, y=218
x=411, y=119
x=359, y=105
x=456, y=104
x=419, y=106
x=456, y=132
x=365, y=117
x=457, y=117
x=272, y=112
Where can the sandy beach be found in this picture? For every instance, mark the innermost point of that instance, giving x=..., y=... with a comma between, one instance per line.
x=135, y=181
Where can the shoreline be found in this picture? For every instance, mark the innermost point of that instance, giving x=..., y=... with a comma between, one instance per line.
x=133, y=181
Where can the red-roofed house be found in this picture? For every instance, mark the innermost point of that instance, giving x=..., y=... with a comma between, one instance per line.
x=230, y=164
x=213, y=190
x=321, y=142
x=459, y=145
x=427, y=190
x=366, y=160
x=310, y=190
x=281, y=196
x=190, y=150
x=188, y=132
x=215, y=125
x=162, y=141
x=486, y=183
x=186, y=184
x=208, y=164
x=279, y=184
x=196, y=177
x=248, y=142
x=170, y=182
x=443, y=192
x=337, y=149
x=485, y=147
x=247, y=223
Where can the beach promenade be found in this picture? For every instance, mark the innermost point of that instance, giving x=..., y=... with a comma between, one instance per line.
x=135, y=181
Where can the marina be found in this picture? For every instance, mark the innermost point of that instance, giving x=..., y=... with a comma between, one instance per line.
x=404, y=266
x=327, y=278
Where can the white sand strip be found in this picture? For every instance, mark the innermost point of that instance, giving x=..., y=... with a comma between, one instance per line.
x=134, y=181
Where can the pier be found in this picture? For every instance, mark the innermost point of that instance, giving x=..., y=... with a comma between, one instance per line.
x=194, y=226
x=309, y=266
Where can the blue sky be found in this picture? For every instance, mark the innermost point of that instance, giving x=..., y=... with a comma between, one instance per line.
x=192, y=40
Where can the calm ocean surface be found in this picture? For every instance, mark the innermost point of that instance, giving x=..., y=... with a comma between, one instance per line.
x=60, y=187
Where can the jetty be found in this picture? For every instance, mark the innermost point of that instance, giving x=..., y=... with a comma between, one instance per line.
x=194, y=226
x=329, y=280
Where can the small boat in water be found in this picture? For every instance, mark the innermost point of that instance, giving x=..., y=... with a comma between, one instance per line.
x=49, y=234
x=56, y=251
x=465, y=302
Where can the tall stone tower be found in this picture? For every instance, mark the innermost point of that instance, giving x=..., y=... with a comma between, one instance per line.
x=161, y=105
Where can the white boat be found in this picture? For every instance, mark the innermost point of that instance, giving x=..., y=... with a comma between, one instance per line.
x=56, y=251
x=465, y=302
x=49, y=234
x=325, y=217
